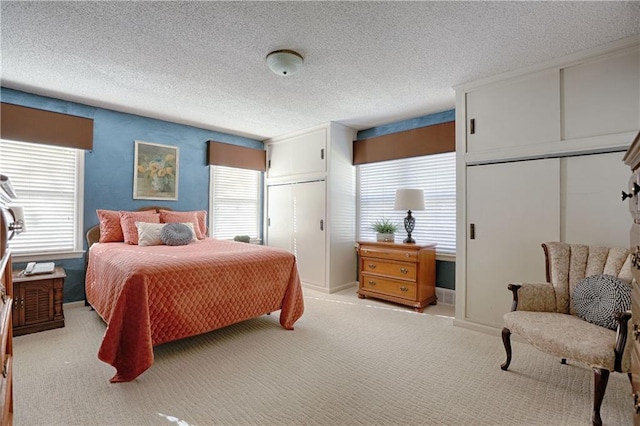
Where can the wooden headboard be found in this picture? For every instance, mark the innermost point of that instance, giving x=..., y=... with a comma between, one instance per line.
x=93, y=234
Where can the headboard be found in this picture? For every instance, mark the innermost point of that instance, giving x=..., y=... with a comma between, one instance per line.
x=93, y=234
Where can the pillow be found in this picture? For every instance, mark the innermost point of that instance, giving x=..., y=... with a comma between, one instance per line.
x=110, y=229
x=176, y=234
x=128, y=222
x=597, y=298
x=149, y=233
x=199, y=219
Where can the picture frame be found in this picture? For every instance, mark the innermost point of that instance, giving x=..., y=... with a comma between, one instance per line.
x=155, y=171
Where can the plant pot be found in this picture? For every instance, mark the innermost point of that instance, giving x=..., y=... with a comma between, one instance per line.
x=387, y=238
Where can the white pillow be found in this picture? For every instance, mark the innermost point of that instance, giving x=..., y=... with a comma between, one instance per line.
x=149, y=233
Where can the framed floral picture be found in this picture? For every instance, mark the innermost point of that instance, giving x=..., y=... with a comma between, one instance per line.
x=155, y=173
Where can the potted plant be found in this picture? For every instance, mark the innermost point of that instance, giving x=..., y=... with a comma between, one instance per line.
x=386, y=229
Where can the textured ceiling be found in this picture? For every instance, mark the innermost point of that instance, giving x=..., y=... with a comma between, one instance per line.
x=366, y=63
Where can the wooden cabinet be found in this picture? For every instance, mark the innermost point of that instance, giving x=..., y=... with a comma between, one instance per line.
x=632, y=159
x=6, y=335
x=401, y=273
x=38, y=302
x=310, y=203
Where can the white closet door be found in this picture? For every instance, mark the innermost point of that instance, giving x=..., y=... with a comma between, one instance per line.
x=592, y=211
x=309, y=228
x=514, y=207
x=280, y=217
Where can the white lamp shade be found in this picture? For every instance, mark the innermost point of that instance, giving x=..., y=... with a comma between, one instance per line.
x=409, y=199
x=284, y=62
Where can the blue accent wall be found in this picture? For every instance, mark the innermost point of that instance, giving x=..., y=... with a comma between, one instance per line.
x=445, y=270
x=108, y=171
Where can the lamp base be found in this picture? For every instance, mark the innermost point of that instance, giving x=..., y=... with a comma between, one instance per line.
x=409, y=240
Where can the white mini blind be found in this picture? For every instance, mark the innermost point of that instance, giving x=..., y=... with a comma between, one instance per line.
x=435, y=174
x=45, y=179
x=236, y=202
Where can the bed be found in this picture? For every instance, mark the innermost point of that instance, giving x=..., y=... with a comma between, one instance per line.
x=149, y=295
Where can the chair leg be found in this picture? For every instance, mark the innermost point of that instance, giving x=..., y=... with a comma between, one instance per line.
x=506, y=339
x=601, y=378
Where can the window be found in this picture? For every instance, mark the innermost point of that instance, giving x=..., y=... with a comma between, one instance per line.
x=435, y=174
x=236, y=206
x=48, y=181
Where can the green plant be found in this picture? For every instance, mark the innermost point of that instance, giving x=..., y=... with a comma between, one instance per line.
x=384, y=226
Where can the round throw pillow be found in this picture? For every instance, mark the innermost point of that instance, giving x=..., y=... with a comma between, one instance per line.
x=176, y=234
x=597, y=298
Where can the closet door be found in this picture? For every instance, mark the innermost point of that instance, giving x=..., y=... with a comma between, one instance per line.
x=513, y=208
x=280, y=216
x=309, y=230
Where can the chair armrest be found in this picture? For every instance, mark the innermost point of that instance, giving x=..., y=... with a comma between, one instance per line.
x=536, y=297
x=623, y=333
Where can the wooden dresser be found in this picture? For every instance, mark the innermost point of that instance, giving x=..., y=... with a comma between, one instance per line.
x=6, y=301
x=401, y=273
x=632, y=159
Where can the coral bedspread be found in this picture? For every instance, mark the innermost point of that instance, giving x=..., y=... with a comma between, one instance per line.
x=150, y=295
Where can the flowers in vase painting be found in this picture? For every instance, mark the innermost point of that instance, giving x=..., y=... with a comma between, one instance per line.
x=156, y=172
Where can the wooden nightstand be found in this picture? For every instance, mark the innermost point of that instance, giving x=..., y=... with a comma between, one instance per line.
x=401, y=273
x=37, y=303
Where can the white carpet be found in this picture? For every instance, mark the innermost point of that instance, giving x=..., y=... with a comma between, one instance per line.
x=348, y=362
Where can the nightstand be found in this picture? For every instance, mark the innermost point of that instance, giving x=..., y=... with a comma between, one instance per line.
x=400, y=273
x=37, y=304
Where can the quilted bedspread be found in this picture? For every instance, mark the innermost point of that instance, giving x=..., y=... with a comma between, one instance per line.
x=150, y=295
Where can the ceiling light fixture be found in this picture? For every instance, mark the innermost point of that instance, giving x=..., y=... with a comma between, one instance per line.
x=284, y=62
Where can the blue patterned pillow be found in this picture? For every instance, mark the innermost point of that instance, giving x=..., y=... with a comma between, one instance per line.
x=176, y=234
x=597, y=298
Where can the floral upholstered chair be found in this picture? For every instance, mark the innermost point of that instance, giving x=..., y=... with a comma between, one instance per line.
x=580, y=313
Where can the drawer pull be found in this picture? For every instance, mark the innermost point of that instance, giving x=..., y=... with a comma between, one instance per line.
x=636, y=405
x=372, y=266
x=625, y=195
x=407, y=255
x=372, y=282
x=404, y=289
x=636, y=331
x=404, y=270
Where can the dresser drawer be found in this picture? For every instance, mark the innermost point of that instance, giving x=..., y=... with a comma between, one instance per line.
x=405, y=271
x=634, y=205
x=390, y=254
x=402, y=289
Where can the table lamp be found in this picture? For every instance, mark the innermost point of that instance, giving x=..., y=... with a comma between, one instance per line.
x=409, y=199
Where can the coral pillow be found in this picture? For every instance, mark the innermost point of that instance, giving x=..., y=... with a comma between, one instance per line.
x=198, y=218
x=110, y=229
x=128, y=222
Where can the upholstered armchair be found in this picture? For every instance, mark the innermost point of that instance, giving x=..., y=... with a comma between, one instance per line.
x=544, y=314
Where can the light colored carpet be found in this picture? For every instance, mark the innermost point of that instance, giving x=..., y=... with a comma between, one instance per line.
x=348, y=362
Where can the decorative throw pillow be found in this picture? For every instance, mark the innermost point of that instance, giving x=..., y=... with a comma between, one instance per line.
x=597, y=298
x=110, y=229
x=128, y=222
x=176, y=234
x=149, y=233
x=199, y=219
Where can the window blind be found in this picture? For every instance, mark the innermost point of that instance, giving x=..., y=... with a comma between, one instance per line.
x=435, y=174
x=236, y=202
x=46, y=182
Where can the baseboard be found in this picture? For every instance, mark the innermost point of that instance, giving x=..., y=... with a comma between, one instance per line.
x=329, y=291
x=485, y=329
x=446, y=296
x=69, y=305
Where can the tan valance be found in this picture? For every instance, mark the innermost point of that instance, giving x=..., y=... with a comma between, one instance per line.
x=409, y=143
x=242, y=157
x=19, y=123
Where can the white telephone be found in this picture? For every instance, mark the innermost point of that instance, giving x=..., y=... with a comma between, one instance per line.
x=39, y=268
